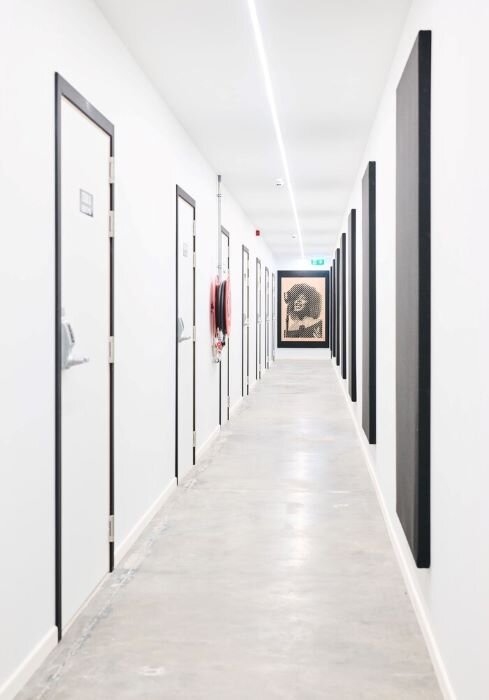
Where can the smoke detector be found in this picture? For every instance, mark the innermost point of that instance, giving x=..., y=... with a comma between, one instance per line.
x=279, y=182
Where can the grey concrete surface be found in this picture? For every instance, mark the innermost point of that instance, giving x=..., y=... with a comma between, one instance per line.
x=268, y=575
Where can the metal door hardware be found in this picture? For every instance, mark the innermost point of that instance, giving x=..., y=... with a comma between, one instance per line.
x=180, y=329
x=69, y=360
x=111, y=528
x=111, y=170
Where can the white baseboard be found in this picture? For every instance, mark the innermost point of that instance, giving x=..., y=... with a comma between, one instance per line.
x=122, y=549
x=207, y=443
x=404, y=564
x=31, y=663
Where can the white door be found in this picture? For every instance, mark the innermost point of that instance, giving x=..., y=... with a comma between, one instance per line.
x=274, y=316
x=245, y=334
x=185, y=337
x=85, y=377
x=224, y=368
x=258, y=319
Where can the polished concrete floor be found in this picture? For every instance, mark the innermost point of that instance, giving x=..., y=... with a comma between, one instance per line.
x=269, y=574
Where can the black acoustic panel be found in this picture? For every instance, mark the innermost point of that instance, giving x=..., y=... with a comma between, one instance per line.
x=352, y=294
x=413, y=298
x=326, y=304
x=338, y=304
x=330, y=326
x=343, y=305
x=333, y=309
x=369, y=306
x=329, y=311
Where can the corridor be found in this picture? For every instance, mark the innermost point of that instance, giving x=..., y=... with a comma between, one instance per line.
x=267, y=575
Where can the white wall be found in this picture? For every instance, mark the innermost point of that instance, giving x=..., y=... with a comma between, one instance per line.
x=454, y=591
x=153, y=154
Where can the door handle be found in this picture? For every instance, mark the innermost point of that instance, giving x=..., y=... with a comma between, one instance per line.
x=180, y=329
x=69, y=360
x=72, y=361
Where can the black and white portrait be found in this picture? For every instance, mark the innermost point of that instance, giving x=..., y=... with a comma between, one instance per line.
x=302, y=299
x=304, y=305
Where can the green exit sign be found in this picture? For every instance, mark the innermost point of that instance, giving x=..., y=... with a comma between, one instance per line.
x=317, y=261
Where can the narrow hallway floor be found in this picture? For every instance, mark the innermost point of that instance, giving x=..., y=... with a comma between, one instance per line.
x=268, y=575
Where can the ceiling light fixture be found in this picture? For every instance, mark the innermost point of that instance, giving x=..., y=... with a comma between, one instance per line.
x=273, y=109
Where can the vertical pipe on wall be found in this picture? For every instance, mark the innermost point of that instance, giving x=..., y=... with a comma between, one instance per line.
x=219, y=236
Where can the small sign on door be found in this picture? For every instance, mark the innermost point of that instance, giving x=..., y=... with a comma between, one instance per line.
x=86, y=203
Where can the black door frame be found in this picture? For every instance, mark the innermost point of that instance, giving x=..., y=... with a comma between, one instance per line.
x=186, y=198
x=245, y=253
x=258, y=318
x=63, y=89
x=224, y=232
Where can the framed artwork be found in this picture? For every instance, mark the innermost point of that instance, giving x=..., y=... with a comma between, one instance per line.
x=369, y=306
x=343, y=358
x=303, y=300
x=352, y=297
x=337, y=306
x=331, y=310
x=413, y=299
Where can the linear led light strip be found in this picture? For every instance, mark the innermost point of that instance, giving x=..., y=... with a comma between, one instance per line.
x=273, y=109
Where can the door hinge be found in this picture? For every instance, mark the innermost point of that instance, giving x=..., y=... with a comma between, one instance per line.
x=195, y=259
x=194, y=439
x=111, y=529
x=111, y=224
x=194, y=227
x=229, y=402
x=111, y=350
x=111, y=170
x=194, y=333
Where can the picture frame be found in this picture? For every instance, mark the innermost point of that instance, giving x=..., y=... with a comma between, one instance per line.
x=303, y=309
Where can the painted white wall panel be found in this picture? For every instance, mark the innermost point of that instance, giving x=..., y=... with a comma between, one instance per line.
x=153, y=154
x=454, y=589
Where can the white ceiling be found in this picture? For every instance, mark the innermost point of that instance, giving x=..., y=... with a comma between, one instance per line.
x=328, y=62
